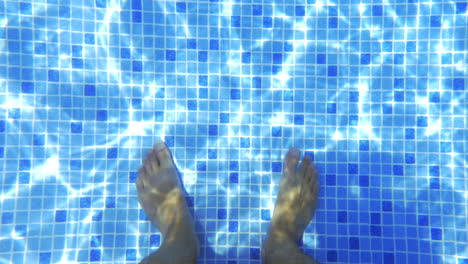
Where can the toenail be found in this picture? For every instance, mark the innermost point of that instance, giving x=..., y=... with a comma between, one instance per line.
x=159, y=145
x=294, y=152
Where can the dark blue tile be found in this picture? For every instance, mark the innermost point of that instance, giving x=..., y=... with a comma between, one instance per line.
x=332, y=22
x=24, y=165
x=387, y=206
x=201, y=165
x=170, y=55
x=131, y=254
x=267, y=22
x=192, y=105
x=181, y=7
x=110, y=201
x=353, y=243
x=377, y=10
x=342, y=217
x=234, y=165
x=75, y=164
x=276, y=131
x=365, y=59
x=136, y=103
x=458, y=84
x=235, y=94
x=2, y=152
x=191, y=43
x=436, y=234
x=364, y=180
x=212, y=153
x=354, y=97
x=137, y=66
x=101, y=3
x=234, y=177
x=26, y=8
x=224, y=118
x=409, y=158
x=202, y=56
x=222, y=214
x=38, y=140
x=300, y=11
x=53, y=75
x=299, y=119
x=332, y=70
x=398, y=59
x=277, y=58
x=60, y=216
x=375, y=218
x=364, y=145
x=101, y=115
x=44, y=257
x=266, y=214
x=124, y=53
x=409, y=133
x=2, y=126
x=434, y=183
x=136, y=4
x=159, y=116
x=27, y=87
x=214, y=44
x=353, y=168
x=332, y=256
x=257, y=10
x=423, y=220
x=436, y=21
x=246, y=57
x=422, y=121
x=434, y=97
x=112, y=153
x=389, y=258
x=461, y=8
x=233, y=226
x=95, y=255
x=203, y=80
x=89, y=90
x=398, y=83
x=77, y=63
x=213, y=130
x=331, y=108
x=155, y=240
x=276, y=166
x=398, y=170
x=235, y=21
x=255, y=253
x=375, y=230
x=321, y=59
x=399, y=96
x=353, y=120
x=7, y=218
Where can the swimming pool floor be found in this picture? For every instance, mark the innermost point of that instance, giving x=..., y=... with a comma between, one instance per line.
x=374, y=90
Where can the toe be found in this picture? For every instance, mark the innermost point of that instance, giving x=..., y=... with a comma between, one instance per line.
x=151, y=163
x=291, y=160
x=163, y=155
x=305, y=165
x=140, y=184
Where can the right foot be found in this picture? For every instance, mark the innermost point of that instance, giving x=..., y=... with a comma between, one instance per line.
x=296, y=202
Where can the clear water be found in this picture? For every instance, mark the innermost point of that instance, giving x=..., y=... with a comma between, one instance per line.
x=375, y=90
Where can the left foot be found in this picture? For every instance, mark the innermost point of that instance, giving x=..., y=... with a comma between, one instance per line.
x=161, y=197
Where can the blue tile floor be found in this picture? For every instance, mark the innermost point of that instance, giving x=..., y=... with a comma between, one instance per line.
x=375, y=90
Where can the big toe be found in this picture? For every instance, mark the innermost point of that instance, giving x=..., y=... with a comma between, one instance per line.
x=163, y=155
x=291, y=160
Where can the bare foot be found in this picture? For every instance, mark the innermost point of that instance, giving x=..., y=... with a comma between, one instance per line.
x=295, y=206
x=160, y=195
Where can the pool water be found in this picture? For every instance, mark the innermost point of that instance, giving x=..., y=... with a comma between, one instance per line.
x=374, y=90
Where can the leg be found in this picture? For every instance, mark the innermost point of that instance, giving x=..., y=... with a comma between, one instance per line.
x=294, y=209
x=160, y=195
